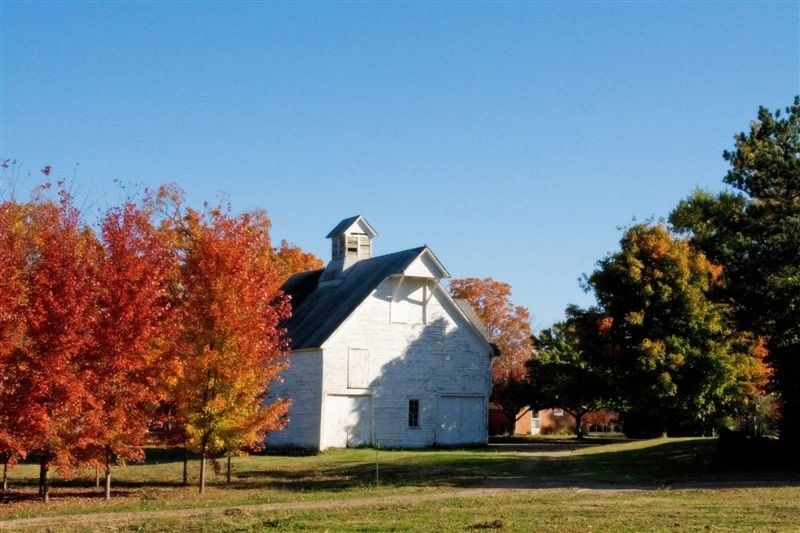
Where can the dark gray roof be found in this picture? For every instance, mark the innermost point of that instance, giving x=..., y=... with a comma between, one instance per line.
x=341, y=226
x=317, y=310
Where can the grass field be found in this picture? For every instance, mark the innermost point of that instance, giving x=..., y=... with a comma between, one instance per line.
x=549, y=485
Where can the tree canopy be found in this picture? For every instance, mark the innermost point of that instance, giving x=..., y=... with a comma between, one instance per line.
x=227, y=341
x=159, y=313
x=667, y=350
x=754, y=231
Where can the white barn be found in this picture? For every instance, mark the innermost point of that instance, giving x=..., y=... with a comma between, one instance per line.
x=381, y=354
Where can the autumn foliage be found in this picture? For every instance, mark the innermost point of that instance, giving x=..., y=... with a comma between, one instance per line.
x=160, y=305
x=134, y=279
x=668, y=351
x=51, y=370
x=290, y=259
x=14, y=243
x=509, y=328
x=227, y=341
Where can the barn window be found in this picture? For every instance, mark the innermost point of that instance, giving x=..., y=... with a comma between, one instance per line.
x=413, y=413
x=357, y=368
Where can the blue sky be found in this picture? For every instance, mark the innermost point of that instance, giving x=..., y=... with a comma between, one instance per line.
x=513, y=138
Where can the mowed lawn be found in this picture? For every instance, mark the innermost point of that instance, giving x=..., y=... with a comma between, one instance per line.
x=549, y=485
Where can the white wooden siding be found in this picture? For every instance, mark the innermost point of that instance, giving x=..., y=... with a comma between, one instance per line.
x=302, y=384
x=421, y=361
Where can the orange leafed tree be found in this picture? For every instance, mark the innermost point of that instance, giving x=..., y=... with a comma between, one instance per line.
x=290, y=259
x=127, y=359
x=229, y=342
x=509, y=328
x=14, y=245
x=53, y=385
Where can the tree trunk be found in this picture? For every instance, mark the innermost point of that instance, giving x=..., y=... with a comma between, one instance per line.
x=97, y=478
x=512, y=423
x=202, y=471
x=228, y=474
x=108, y=473
x=44, y=478
x=42, y=463
x=578, y=428
x=662, y=423
x=185, y=467
x=4, y=487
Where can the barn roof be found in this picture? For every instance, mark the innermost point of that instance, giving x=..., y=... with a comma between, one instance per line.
x=318, y=309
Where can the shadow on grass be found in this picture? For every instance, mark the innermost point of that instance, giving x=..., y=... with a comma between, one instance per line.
x=684, y=463
x=546, y=463
x=515, y=444
x=82, y=493
x=668, y=463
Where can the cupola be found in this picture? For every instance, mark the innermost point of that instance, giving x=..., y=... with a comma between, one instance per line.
x=351, y=242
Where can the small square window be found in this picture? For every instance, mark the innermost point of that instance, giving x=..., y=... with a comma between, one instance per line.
x=413, y=413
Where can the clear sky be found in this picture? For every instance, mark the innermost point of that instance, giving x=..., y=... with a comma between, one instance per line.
x=513, y=138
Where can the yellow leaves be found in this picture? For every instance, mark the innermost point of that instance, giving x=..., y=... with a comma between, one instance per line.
x=216, y=405
x=635, y=269
x=666, y=385
x=653, y=349
x=676, y=360
x=635, y=318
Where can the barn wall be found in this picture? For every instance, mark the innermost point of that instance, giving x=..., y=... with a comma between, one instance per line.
x=303, y=385
x=410, y=361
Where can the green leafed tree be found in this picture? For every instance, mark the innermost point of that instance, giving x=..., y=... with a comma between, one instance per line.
x=665, y=348
x=560, y=377
x=754, y=231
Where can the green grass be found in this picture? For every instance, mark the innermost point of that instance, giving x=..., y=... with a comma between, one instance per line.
x=680, y=479
x=773, y=509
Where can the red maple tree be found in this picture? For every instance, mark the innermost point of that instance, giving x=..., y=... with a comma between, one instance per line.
x=14, y=246
x=53, y=385
x=127, y=360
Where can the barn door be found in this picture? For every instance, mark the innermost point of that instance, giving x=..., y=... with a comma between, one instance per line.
x=348, y=421
x=462, y=420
